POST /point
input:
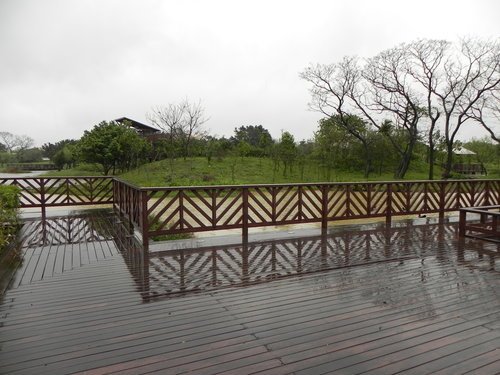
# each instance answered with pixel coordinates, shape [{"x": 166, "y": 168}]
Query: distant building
[
  {"x": 143, "y": 130},
  {"x": 465, "y": 164}
]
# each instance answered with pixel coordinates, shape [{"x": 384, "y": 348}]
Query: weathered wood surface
[{"x": 422, "y": 302}]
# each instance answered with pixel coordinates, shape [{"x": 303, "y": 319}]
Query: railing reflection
[
  {"x": 187, "y": 270},
  {"x": 160, "y": 273},
  {"x": 69, "y": 229}
]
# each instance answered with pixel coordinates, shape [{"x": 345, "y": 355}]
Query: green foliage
[
  {"x": 257, "y": 138},
  {"x": 287, "y": 151},
  {"x": 6, "y": 157},
  {"x": 167, "y": 237},
  {"x": 65, "y": 157},
  {"x": 30, "y": 155},
  {"x": 51, "y": 149},
  {"x": 113, "y": 146},
  {"x": 487, "y": 151},
  {"x": 9, "y": 204}
]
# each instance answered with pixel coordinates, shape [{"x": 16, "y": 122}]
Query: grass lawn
[{"x": 229, "y": 171}]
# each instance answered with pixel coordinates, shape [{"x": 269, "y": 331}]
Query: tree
[
  {"x": 14, "y": 142},
  {"x": 65, "y": 157},
  {"x": 8, "y": 141},
  {"x": 469, "y": 77},
  {"x": 256, "y": 136},
  {"x": 50, "y": 149},
  {"x": 487, "y": 151},
  {"x": 181, "y": 123},
  {"x": 393, "y": 96},
  {"x": 287, "y": 150},
  {"x": 113, "y": 146},
  {"x": 460, "y": 85},
  {"x": 29, "y": 155},
  {"x": 333, "y": 144},
  {"x": 426, "y": 57},
  {"x": 421, "y": 80},
  {"x": 192, "y": 125},
  {"x": 337, "y": 90}
]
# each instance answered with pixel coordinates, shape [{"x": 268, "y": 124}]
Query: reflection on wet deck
[
  {"x": 364, "y": 299},
  {"x": 185, "y": 269}
]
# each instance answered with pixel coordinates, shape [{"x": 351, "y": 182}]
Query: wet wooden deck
[{"x": 412, "y": 299}]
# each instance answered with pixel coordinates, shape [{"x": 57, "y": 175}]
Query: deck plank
[{"x": 402, "y": 304}]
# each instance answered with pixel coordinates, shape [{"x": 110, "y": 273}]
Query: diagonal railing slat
[{"x": 169, "y": 210}]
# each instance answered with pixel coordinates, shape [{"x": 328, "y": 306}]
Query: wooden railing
[
  {"x": 33, "y": 166},
  {"x": 158, "y": 211},
  {"x": 46, "y": 192},
  {"x": 208, "y": 208}
]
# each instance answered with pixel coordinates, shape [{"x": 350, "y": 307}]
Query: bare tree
[
  {"x": 169, "y": 119},
  {"x": 16, "y": 142},
  {"x": 469, "y": 78},
  {"x": 380, "y": 88},
  {"x": 191, "y": 126},
  {"x": 8, "y": 140},
  {"x": 24, "y": 142},
  {"x": 424, "y": 66},
  {"x": 486, "y": 108},
  {"x": 393, "y": 96},
  {"x": 181, "y": 122},
  {"x": 336, "y": 90}
]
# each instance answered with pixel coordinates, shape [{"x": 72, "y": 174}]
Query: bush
[{"x": 9, "y": 205}]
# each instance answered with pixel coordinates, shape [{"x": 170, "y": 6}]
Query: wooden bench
[{"x": 487, "y": 227}]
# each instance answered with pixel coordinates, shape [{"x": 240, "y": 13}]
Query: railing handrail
[
  {"x": 297, "y": 184},
  {"x": 233, "y": 186},
  {"x": 55, "y": 177}
]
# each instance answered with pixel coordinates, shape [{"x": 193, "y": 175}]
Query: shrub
[
  {"x": 9, "y": 204},
  {"x": 168, "y": 237}
]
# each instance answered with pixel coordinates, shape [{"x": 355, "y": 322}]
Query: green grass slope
[{"x": 229, "y": 171}]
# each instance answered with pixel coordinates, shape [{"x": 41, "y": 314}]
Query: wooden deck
[{"x": 412, "y": 299}]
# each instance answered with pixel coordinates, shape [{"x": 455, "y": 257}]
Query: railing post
[
  {"x": 299, "y": 203},
  {"x": 144, "y": 219},
  {"x": 388, "y": 213},
  {"x": 324, "y": 209},
  {"x": 486, "y": 193},
  {"x": 244, "y": 229},
  {"x": 442, "y": 200},
  {"x": 181, "y": 209},
  {"x": 42, "y": 199},
  {"x": 461, "y": 226}
]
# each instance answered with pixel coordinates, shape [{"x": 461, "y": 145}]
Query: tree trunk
[
  {"x": 404, "y": 163},
  {"x": 403, "y": 166},
  {"x": 449, "y": 160},
  {"x": 367, "y": 160},
  {"x": 431, "y": 160}
]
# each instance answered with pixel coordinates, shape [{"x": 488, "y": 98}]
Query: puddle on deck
[{"x": 63, "y": 244}]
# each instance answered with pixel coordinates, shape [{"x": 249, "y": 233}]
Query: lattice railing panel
[
  {"x": 228, "y": 208},
  {"x": 432, "y": 197},
  {"x": 337, "y": 202},
  {"x": 466, "y": 194},
  {"x": 358, "y": 198},
  {"x": 493, "y": 193},
  {"x": 164, "y": 210},
  {"x": 197, "y": 209},
  {"x": 261, "y": 205},
  {"x": 378, "y": 199},
  {"x": 29, "y": 190},
  {"x": 287, "y": 204},
  {"x": 311, "y": 203},
  {"x": 451, "y": 194}
]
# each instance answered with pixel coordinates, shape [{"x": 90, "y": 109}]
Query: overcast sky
[{"x": 67, "y": 65}]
